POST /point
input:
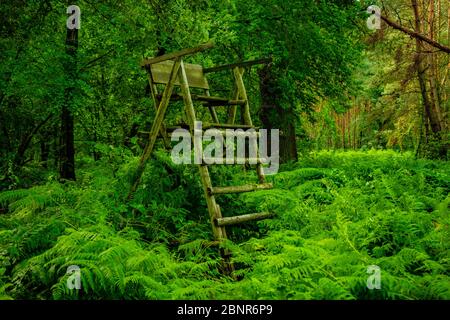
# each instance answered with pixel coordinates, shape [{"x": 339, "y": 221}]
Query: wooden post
[
  {"x": 213, "y": 208},
  {"x": 240, "y": 189},
  {"x": 238, "y": 72},
  {"x": 177, "y": 55},
  {"x": 242, "y": 93},
  {"x": 229, "y": 221},
  {"x": 160, "y": 113},
  {"x": 232, "y": 111},
  {"x": 238, "y": 65},
  {"x": 156, "y": 102},
  {"x": 212, "y": 111}
]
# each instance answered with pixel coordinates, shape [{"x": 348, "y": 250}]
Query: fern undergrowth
[{"x": 337, "y": 213}]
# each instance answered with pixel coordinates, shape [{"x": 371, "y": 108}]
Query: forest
[{"x": 94, "y": 207}]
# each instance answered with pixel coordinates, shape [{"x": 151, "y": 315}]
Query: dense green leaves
[{"x": 337, "y": 214}]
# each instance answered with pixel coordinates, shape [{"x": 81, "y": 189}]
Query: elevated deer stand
[{"x": 169, "y": 70}]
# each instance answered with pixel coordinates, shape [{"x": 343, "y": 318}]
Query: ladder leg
[
  {"x": 212, "y": 111},
  {"x": 160, "y": 113},
  {"x": 238, "y": 72},
  {"x": 156, "y": 102},
  {"x": 213, "y": 207},
  {"x": 232, "y": 111}
]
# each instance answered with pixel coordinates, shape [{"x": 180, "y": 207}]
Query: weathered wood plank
[
  {"x": 156, "y": 101},
  {"x": 160, "y": 113},
  {"x": 234, "y": 161},
  {"x": 220, "y": 102},
  {"x": 211, "y": 100},
  {"x": 233, "y": 110},
  {"x": 238, "y": 73},
  {"x": 243, "y": 94},
  {"x": 207, "y": 125},
  {"x": 178, "y": 54},
  {"x": 238, "y": 64},
  {"x": 213, "y": 207},
  {"x": 228, "y": 221},
  {"x": 240, "y": 189},
  {"x": 212, "y": 111},
  {"x": 194, "y": 72}
]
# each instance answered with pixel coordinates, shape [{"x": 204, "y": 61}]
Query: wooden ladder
[{"x": 171, "y": 71}]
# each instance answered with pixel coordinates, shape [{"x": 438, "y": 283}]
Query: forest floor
[{"x": 337, "y": 214}]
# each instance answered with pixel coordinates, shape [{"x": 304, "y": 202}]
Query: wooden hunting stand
[{"x": 170, "y": 71}]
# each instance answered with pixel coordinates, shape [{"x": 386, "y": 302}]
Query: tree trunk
[
  {"x": 433, "y": 69},
  {"x": 274, "y": 116},
  {"x": 434, "y": 148},
  {"x": 421, "y": 69},
  {"x": 67, "y": 147}
]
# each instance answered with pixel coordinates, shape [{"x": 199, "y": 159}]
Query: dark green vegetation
[
  {"x": 338, "y": 213},
  {"x": 343, "y": 96}
]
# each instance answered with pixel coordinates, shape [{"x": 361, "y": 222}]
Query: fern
[{"x": 336, "y": 214}]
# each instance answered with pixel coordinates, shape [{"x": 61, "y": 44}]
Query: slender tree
[{"x": 67, "y": 147}]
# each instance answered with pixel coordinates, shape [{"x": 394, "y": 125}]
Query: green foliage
[
  {"x": 113, "y": 265},
  {"x": 337, "y": 214}
]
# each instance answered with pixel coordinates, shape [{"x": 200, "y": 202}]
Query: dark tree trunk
[
  {"x": 440, "y": 149},
  {"x": 55, "y": 145},
  {"x": 67, "y": 147},
  {"x": 274, "y": 116}
]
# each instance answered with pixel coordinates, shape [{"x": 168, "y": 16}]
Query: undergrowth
[{"x": 337, "y": 213}]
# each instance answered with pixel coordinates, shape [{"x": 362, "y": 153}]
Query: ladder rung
[
  {"x": 234, "y": 161},
  {"x": 223, "y": 126},
  {"x": 245, "y": 135},
  {"x": 222, "y": 103},
  {"x": 240, "y": 189},
  {"x": 235, "y": 134},
  {"x": 143, "y": 134},
  {"x": 228, "y": 221},
  {"x": 226, "y": 126},
  {"x": 209, "y": 100}
]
